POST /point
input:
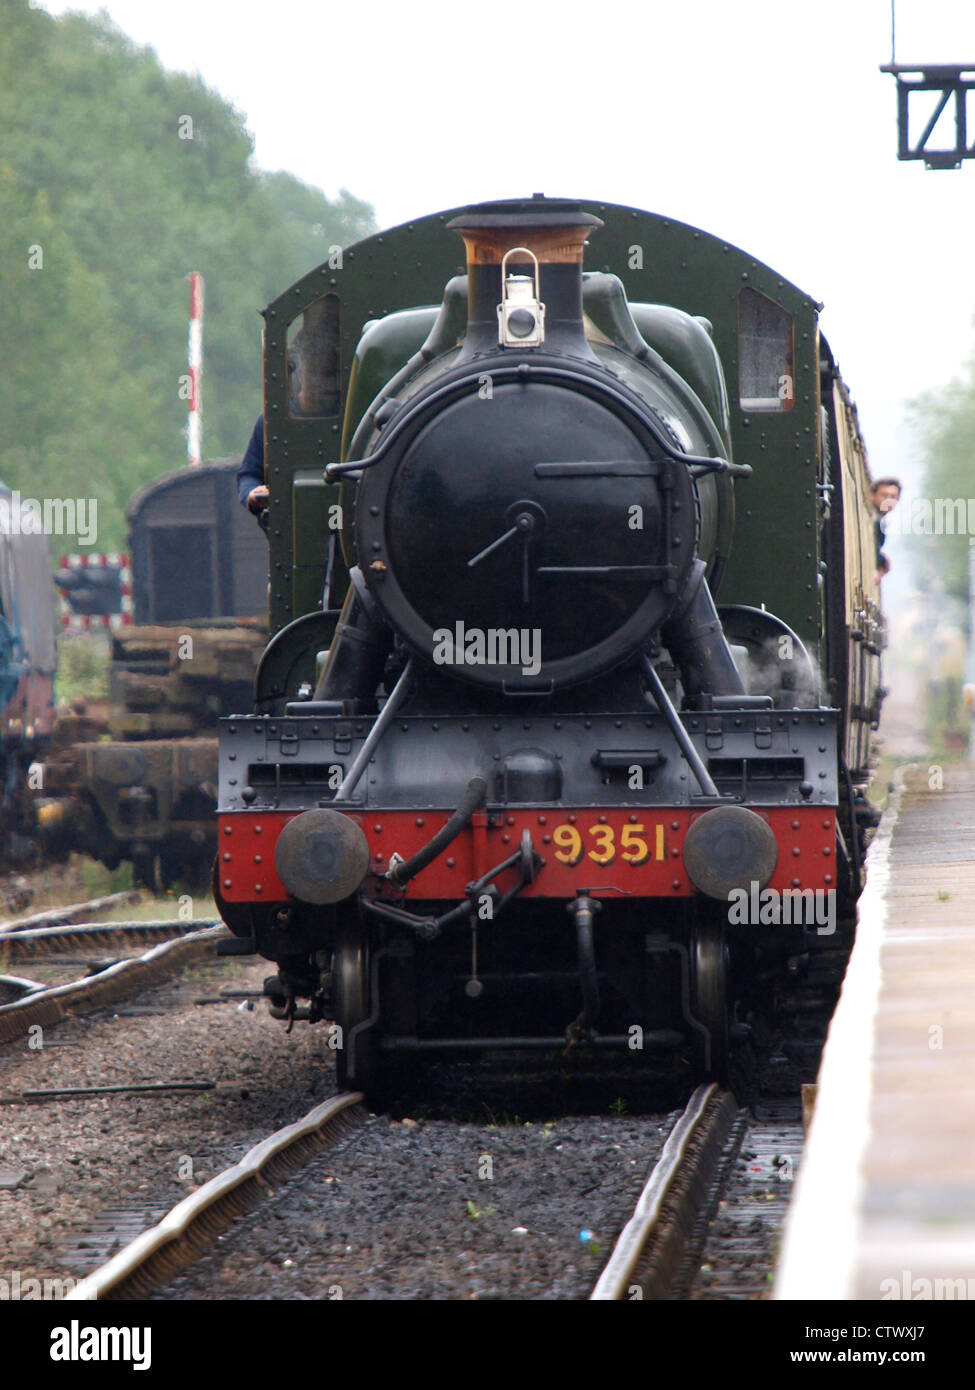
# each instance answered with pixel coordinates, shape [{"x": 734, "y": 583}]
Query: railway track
[
  {"x": 706, "y": 1226},
  {"x": 70, "y": 913},
  {"x": 735, "y": 1243},
  {"x": 44, "y": 941},
  {"x": 54, "y": 933},
  {"x": 138, "y": 1095},
  {"x": 158, "y": 1254},
  {"x": 708, "y": 1221},
  {"x": 653, "y": 1244},
  {"x": 698, "y": 1207},
  {"x": 385, "y": 1216},
  {"x": 45, "y": 1007}
]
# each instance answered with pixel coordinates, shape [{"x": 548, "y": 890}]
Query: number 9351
[{"x": 602, "y": 843}]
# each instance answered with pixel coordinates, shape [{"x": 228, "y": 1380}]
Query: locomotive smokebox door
[{"x": 523, "y": 491}]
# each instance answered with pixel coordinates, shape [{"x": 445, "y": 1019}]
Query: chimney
[{"x": 536, "y": 238}]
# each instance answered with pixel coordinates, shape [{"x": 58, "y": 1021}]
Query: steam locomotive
[{"x": 512, "y": 762}]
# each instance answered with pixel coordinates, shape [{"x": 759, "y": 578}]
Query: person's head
[{"x": 886, "y": 493}]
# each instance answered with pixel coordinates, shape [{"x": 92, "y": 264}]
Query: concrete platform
[{"x": 885, "y": 1202}]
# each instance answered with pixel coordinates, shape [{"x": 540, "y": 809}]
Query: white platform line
[{"x": 822, "y": 1229}]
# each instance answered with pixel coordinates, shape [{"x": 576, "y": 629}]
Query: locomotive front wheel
[
  {"x": 709, "y": 1003},
  {"x": 356, "y": 1055}
]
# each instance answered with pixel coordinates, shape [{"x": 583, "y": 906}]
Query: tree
[
  {"x": 129, "y": 177},
  {"x": 945, "y": 421}
]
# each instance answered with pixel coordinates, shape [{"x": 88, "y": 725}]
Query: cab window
[
  {"x": 765, "y": 353},
  {"x": 314, "y": 369}
]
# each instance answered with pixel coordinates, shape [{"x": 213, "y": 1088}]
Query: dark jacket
[{"x": 250, "y": 474}]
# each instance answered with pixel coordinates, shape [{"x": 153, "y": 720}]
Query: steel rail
[
  {"x": 57, "y": 915},
  {"x": 647, "y": 1254},
  {"x": 183, "y": 1234},
  {"x": 47, "y": 940},
  {"x": 50, "y": 1006}
]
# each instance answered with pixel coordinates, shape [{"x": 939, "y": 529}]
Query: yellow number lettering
[
  {"x": 606, "y": 844},
  {"x": 634, "y": 848},
  {"x": 569, "y": 843},
  {"x": 660, "y": 843}
]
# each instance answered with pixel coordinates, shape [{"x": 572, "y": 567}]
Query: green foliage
[
  {"x": 946, "y": 718},
  {"x": 100, "y": 882},
  {"x": 475, "y": 1212},
  {"x": 127, "y": 178},
  {"x": 82, "y": 668},
  {"x": 945, "y": 422}
]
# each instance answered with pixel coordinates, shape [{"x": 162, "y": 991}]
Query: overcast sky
[{"x": 765, "y": 122}]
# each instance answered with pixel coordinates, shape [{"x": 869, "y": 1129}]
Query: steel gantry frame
[{"x": 950, "y": 80}]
